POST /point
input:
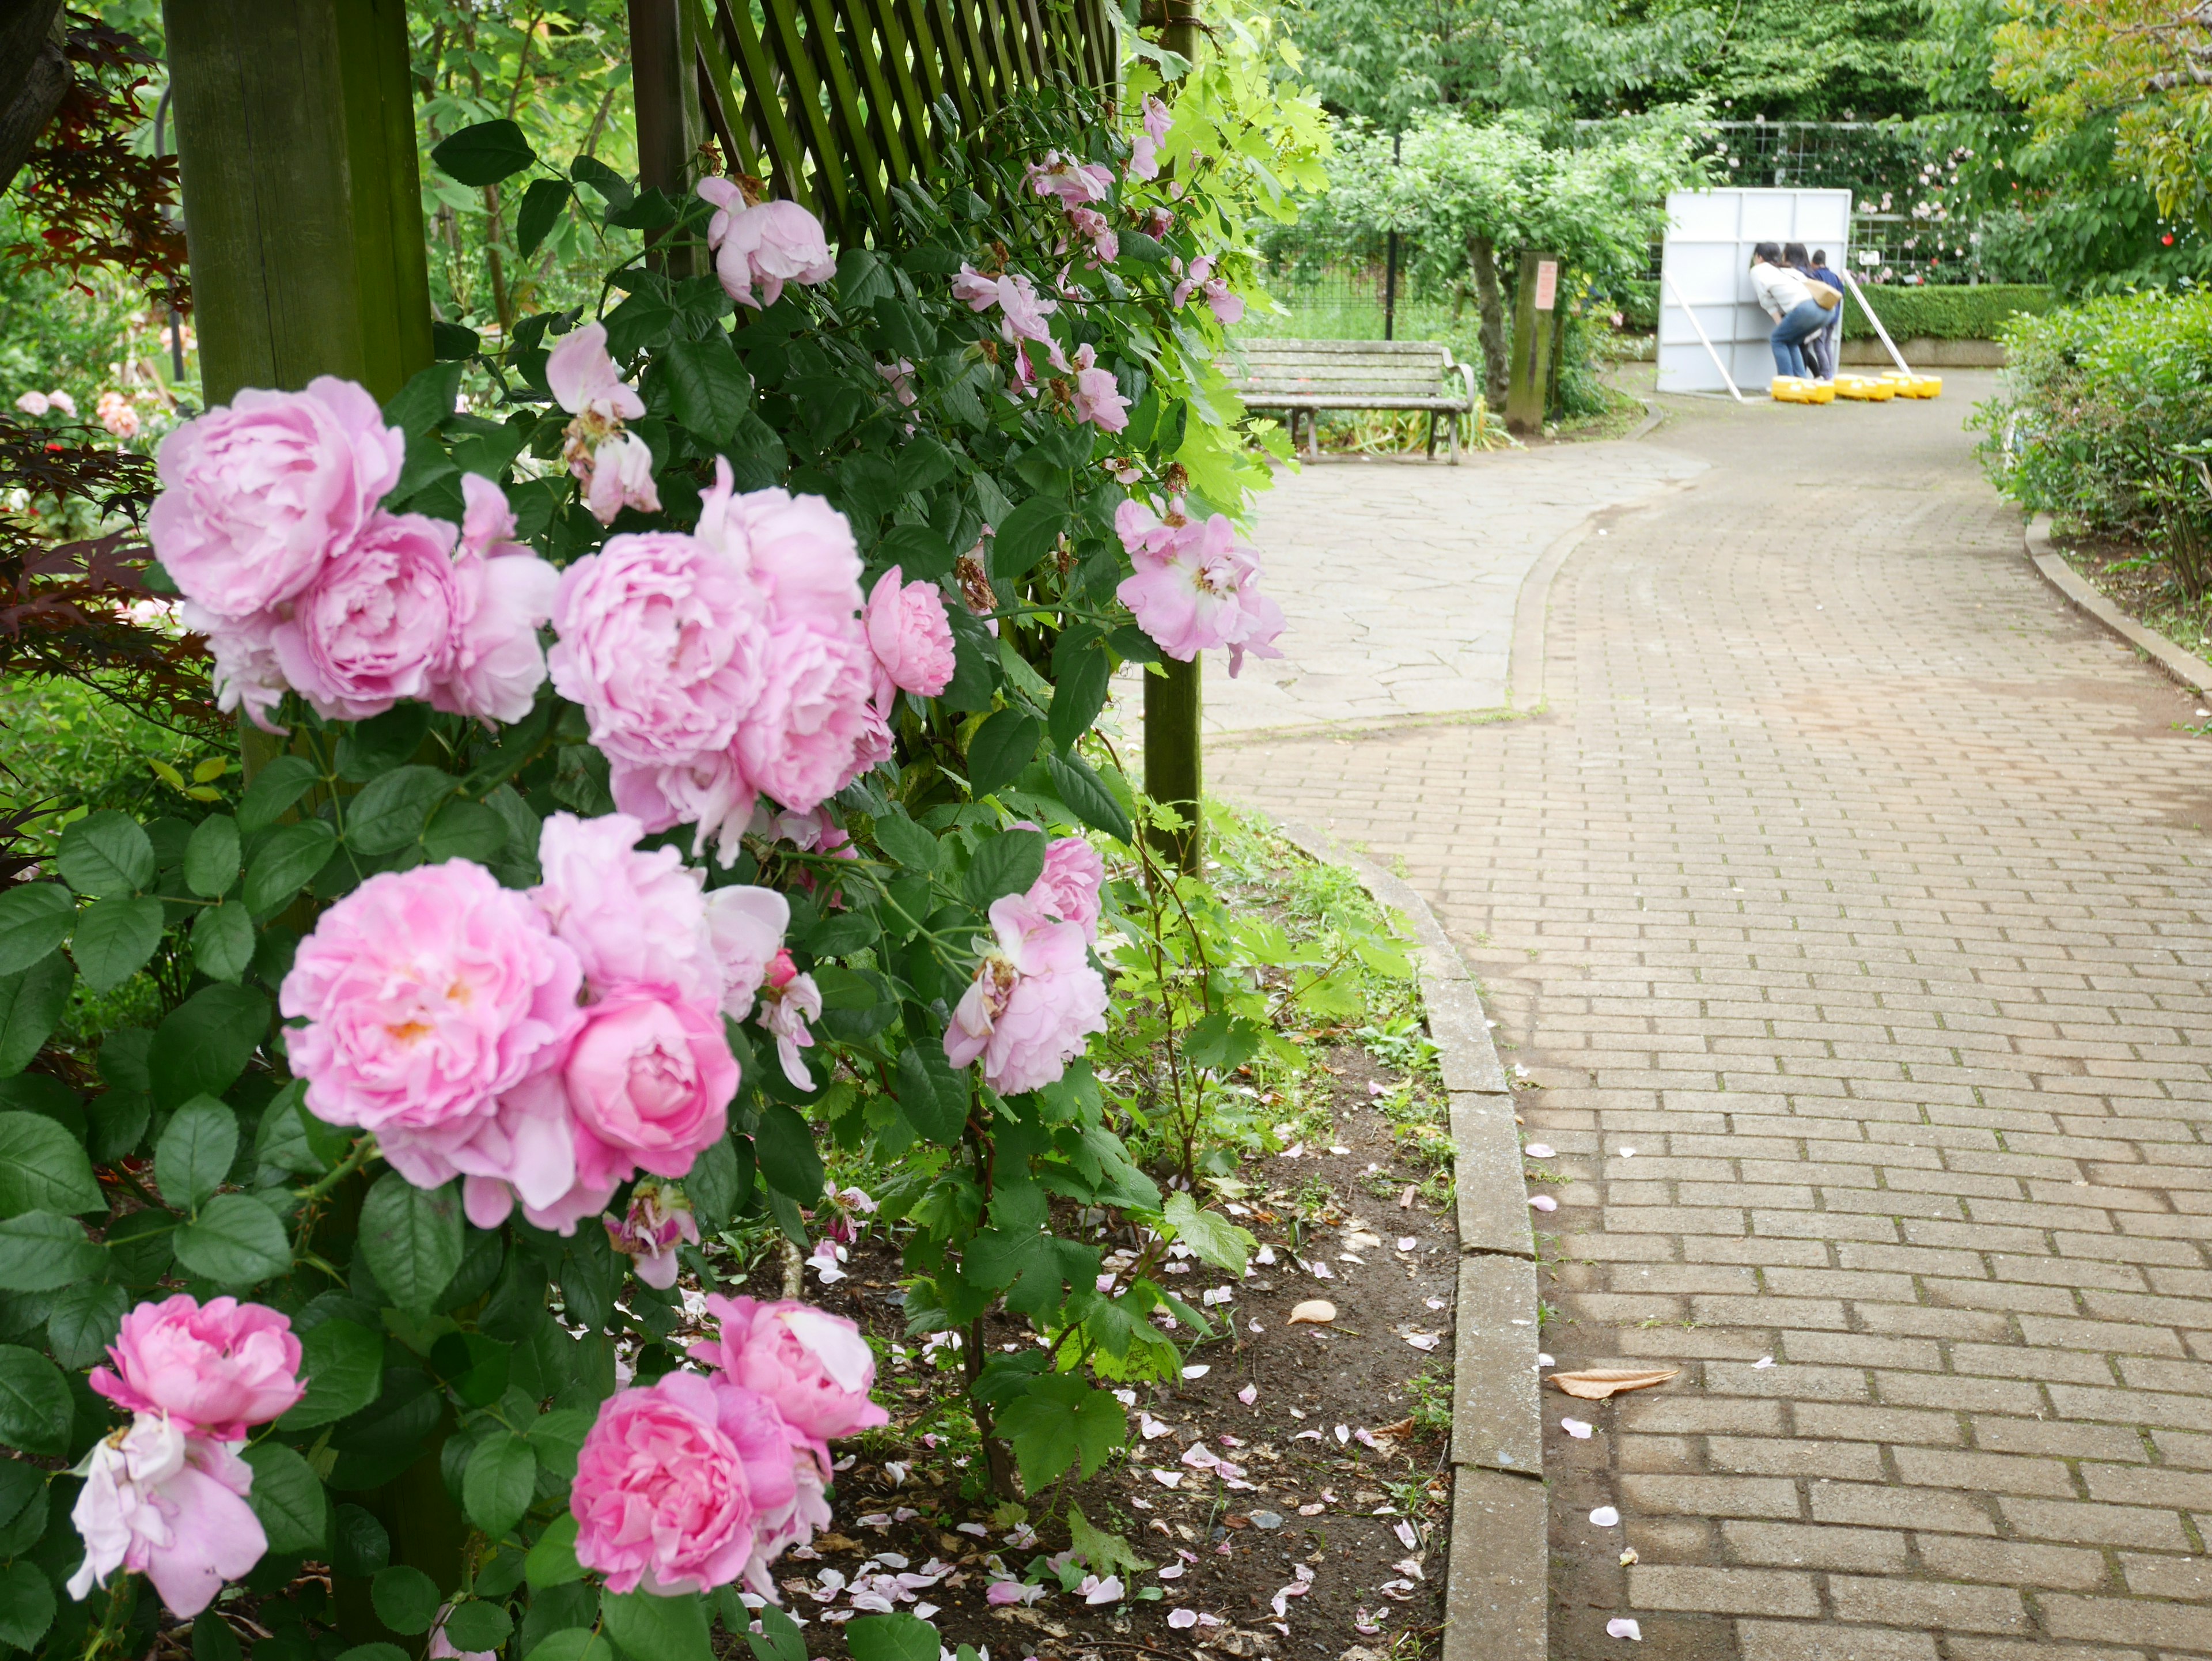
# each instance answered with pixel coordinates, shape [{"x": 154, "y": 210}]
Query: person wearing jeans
[
  {"x": 1783, "y": 296},
  {"x": 1831, "y": 336}
]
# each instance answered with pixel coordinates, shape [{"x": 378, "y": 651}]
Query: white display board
[{"x": 1707, "y": 267}]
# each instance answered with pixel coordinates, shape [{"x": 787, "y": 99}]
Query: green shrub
[
  {"x": 2094, "y": 405},
  {"x": 1945, "y": 312}
]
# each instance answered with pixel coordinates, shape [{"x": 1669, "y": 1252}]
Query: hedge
[{"x": 1950, "y": 312}]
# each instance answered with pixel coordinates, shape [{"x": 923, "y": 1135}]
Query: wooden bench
[{"x": 1308, "y": 376}]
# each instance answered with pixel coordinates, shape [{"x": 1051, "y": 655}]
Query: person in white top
[{"x": 1784, "y": 296}]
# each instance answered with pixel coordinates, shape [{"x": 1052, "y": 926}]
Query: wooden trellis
[{"x": 834, "y": 101}]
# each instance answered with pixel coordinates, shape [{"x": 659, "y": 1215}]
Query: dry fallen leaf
[
  {"x": 1406, "y": 1200},
  {"x": 1401, "y": 1428},
  {"x": 1596, "y": 1384},
  {"x": 1314, "y": 1311}
]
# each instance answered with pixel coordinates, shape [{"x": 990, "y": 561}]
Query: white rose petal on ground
[
  {"x": 1604, "y": 1517},
  {"x": 1183, "y": 1620},
  {"x": 1620, "y": 1627},
  {"x": 1543, "y": 1202},
  {"x": 1576, "y": 1428},
  {"x": 1539, "y": 1151}
]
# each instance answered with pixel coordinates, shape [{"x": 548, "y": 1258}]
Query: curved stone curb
[
  {"x": 2192, "y": 672},
  {"x": 1496, "y": 1590}
]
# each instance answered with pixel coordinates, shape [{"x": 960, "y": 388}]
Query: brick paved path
[{"x": 1850, "y": 907}]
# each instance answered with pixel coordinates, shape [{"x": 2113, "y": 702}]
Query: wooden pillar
[
  {"x": 670, "y": 120},
  {"x": 303, "y": 207},
  {"x": 1535, "y": 311}
]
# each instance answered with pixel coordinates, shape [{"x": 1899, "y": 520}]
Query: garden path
[{"x": 1848, "y": 908}]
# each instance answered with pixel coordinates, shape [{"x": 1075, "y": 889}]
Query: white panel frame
[{"x": 1707, "y": 264}]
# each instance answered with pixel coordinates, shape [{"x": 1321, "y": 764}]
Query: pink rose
[
  {"x": 256, "y": 497},
  {"x": 766, "y": 243},
  {"x": 799, "y": 550},
  {"x": 1092, "y": 226},
  {"x": 583, "y": 378},
  {"x": 662, "y": 1497},
  {"x": 525, "y": 1147},
  {"x": 214, "y": 1371},
  {"x": 1098, "y": 395},
  {"x": 615, "y": 467},
  {"x": 746, "y": 926},
  {"x": 661, "y": 641},
  {"x": 911, "y": 637},
  {"x": 1069, "y": 890},
  {"x": 631, "y": 918},
  {"x": 1034, "y": 999},
  {"x": 1022, "y": 310},
  {"x": 376, "y": 625},
  {"x": 1145, "y": 148},
  {"x": 788, "y": 999},
  {"x": 1075, "y": 183},
  {"x": 170, "y": 1506},
  {"x": 247, "y": 675},
  {"x": 708, "y": 790},
  {"x": 815, "y": 1366},
  {"x": 659, "y": 1220},
  {"x": 502, "y": 592},
  {"x": 650, "y": 1081},
  {"x": 426, "y": 994},
  {"x": 800, "y": 742},
  {"x": 1196, "y": 589}
]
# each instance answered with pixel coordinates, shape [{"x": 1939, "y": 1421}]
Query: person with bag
[
  {"x": 1827, "y": 295},
  {"x": 1784, "y": 296},
  {"x": 1832, "y": 336}
]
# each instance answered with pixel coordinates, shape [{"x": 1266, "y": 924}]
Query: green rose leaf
[
  {"x": 477, "y": 1625},
  {"x": 41, "y": 1252},
  {"x": 500, "y": 1480},
  {"x": 114, "y": 940},
  {"x": 84, "y": 1320},
  {"x": 1078, "y": 697},
  {"x": 31, "y": 1004},
  {"x": 653, "y": 1629},
  {"x": 708, "y": 388},
  {"x": 785, "y": 1147},
  {"x": 1087, "y": 796},
  {"x": 44, "y": 1168},
  {"x": 1027, "y": 535},
  {"x": 484, "y": 154},
  {"x": 286, "y": 863},
  {"x": 35, "y": 1415},
  {"x": 222, "y": 941},
  {"x": 204, "y": 1042},
  {"x": 343, "y": 1363},
  {"x": 934, "y": 1097},
  {"x": 413, "y": 1239},
  {"x": 406, "y": 1599},
  {"x": 393, "y": 807},
  {"x": 106, "y": 855},
  {"x": 281, "y": 782},
  {"x": 540, "y": 212},
  {"x": 26, "y": 1604},
  {"x": 287, "y": 1498},
  {"x": 899, "y": 1637},
  {"x": 1008, "y": 863},
  {"x": 211, "y": 857},
  {"x": 195, "y": 1153},
  {"x": 1002, "y": 746},
  {"x": 212, "y": 1638},
  {"x": 906, "y": 841},
  {"x": 552, "y": 1560},
  {"x": 237, "y": 1241},
  {"x": 35, "y": 917},
  {"x": 22, "y": 1507}
]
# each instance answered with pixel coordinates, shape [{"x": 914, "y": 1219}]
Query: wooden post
[
  {"x": 303, "y": 207},
  {"x": 1174, "y": 770},
  {"x": 1535, "y": 305},
  {"x": 670, "y": 120}
]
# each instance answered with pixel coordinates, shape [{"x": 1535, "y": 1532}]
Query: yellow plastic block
[
  {"x": 1915, "y": 386},
  {"x": 1799, "y": 389},
  {"x": 1865, "y": 388}
]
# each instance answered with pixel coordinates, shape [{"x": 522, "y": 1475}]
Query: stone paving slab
[{"x": 1851, "y": 910}]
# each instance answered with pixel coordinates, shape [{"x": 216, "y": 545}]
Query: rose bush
[{"x": 683, "y": 753}]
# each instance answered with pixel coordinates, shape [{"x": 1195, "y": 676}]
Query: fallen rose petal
[
  {"x": 1315, "y": 1312},
  {"x": 1576, "y": 1428},
  {"x": 1197, "y": 1372},
  {"x": 1152, "y": 1427},
  {"x": 1249, "y": 1395},
  {"x": 1620, "y": 1627},
  {"x": 1408, "y": 1242},
  {"x": 1423, "y": 1340},
  {"x": 1312, "y": 1510},
  {"x": 1168, "y": 1478},
  {"x": 1343, "y": 1435},
  {"x": 1322, "y": 1271},
  {"x": 1171, "y": 1572},
  {"x": 1544, "y": 1360},
  {"x": 1407, "y": 1537},
  {"x": 1763, "y": 1361},
  {"x": 1303, "y": 1435},
  {"x": 1539, "y": 1151},
  {"x": 1596, "y": 1384},
  {"x": 1182, "y": 1620},
  {"x": 1604, "y": 1517},
  {"x": 1543, "y": 1202},
  {"x": 1434, "y": 1302},
  {"x": 1256, "y": 1327}
]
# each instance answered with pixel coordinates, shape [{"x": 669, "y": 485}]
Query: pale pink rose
[
  {"x": 661, "y": 642},
  {"x": 524, "y": 1148},
  {"x": 585, "y": 380},
  {"x": 798, "y": 550},
  {"x": 61, "y": 401},
  {"x": 794, "y": 1523},
  {"x": 1074, "y": 182},
  {"x": 788, "y": 999},
  {"x": 1069, "y": 890},
  {"x": 900, "y": 378},
  {"x": 659, "y": 1220},
  {"x": 247, "y": 675},
  {"x": 708, "y": 790},
  {"x": 800, "y": 741},
  {"x": 876, "y": 745},
  {"x": 631, "y": 918},
  {"x": 1098, "y": 395},
  {"x": 1145, "y": 148},
  {"x": 1158, "y": 119},
  {"x": 764, "y": 245},
  {"x": 1022, "y": 309},
  {"x": 376, "y": 625},
  {"x": 746, "y": 926},
  {"x": 650, "y": 1079},
  {"x": 167, "y": 1506},
  {"x": 1199, "y": 592},
  {"x": 661, "y": 1496},
  {"x": 1034, "y": 999},
  {"x": 815, "y": 1366},
  {"x": 1227, "y": 308},
  {"x": 1144, "y": 532},
  {"x": 1092, "y": 226},
  {"x": 426, "y": 994},
  {"x": 1160, "y": 221},
  {"x": 257, "y": 496},
  {"x": 215, "y": 1370},
  {"x": 118, "y": 414},
  {"x": 911, "y": 637},
  {"x": 502, "y": 592},
  {"x": 34, "y": 403},
  {"x": 619, "y": 476}
]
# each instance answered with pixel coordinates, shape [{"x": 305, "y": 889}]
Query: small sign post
[{"x": 1535, "y": 315}]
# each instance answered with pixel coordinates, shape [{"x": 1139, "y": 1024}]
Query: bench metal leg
[
  {"x": 1431, "y": 454},
  {"x": 1451, "y": 454}
]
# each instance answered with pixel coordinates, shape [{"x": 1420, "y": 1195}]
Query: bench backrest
[{"x": 1386, "y": 368}]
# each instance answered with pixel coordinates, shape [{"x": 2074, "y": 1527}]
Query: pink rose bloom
[
  {"x": 661, "y": 641},
  {"x": 815, "y": 1366},
  {"x": 376, "y": 625},
  {"x": 214, "y": 1371},
  {"x": 247, "y": 675},
  {"x": 1227, "y": 308},
  {"x": 794, "y": 1523},
  {"x": 1092, "y": 226},
  {"x": 900, "y": 378},
  {"x": 502, "y": 592},
  {"x": 426, "y": 994},
  {"x": 1145, "y": 148},
  {"x": 661, "y": 1496},
  {"x": 708, "y": 790},
  {"x": 256, "y": 497},
  {"x": 659, "y": 1220},
  {"x": 1022, "y": 311},
  {"x": 911, "y": 637},
  {"x": 1073, "y": 873},
  {"x": 650, "y": 1081},
  {"x": 1160, "y": 221},
  {"x": 169, "y": 1507},
  {"x": 1201, "y": 592},
  {"x": 615, "y": 467},
  {"x": 524, "y": 1148},
  {"x": 631, "y": 918},
  {"x": 800, "y": 739},
  {"x": 1144, "y": 532},
  {"x": 1034, "y": 999},
  {"x": 1075, "y": 183},
  {"x": 788, "y": 999},
  {"x": 1098, "y": 395},
  {"x": 746, "y": 926},
  {"x": 766, "y": 243},
  {"x": 583, "y": 378},
  {"x": 798, "y": 550}
]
